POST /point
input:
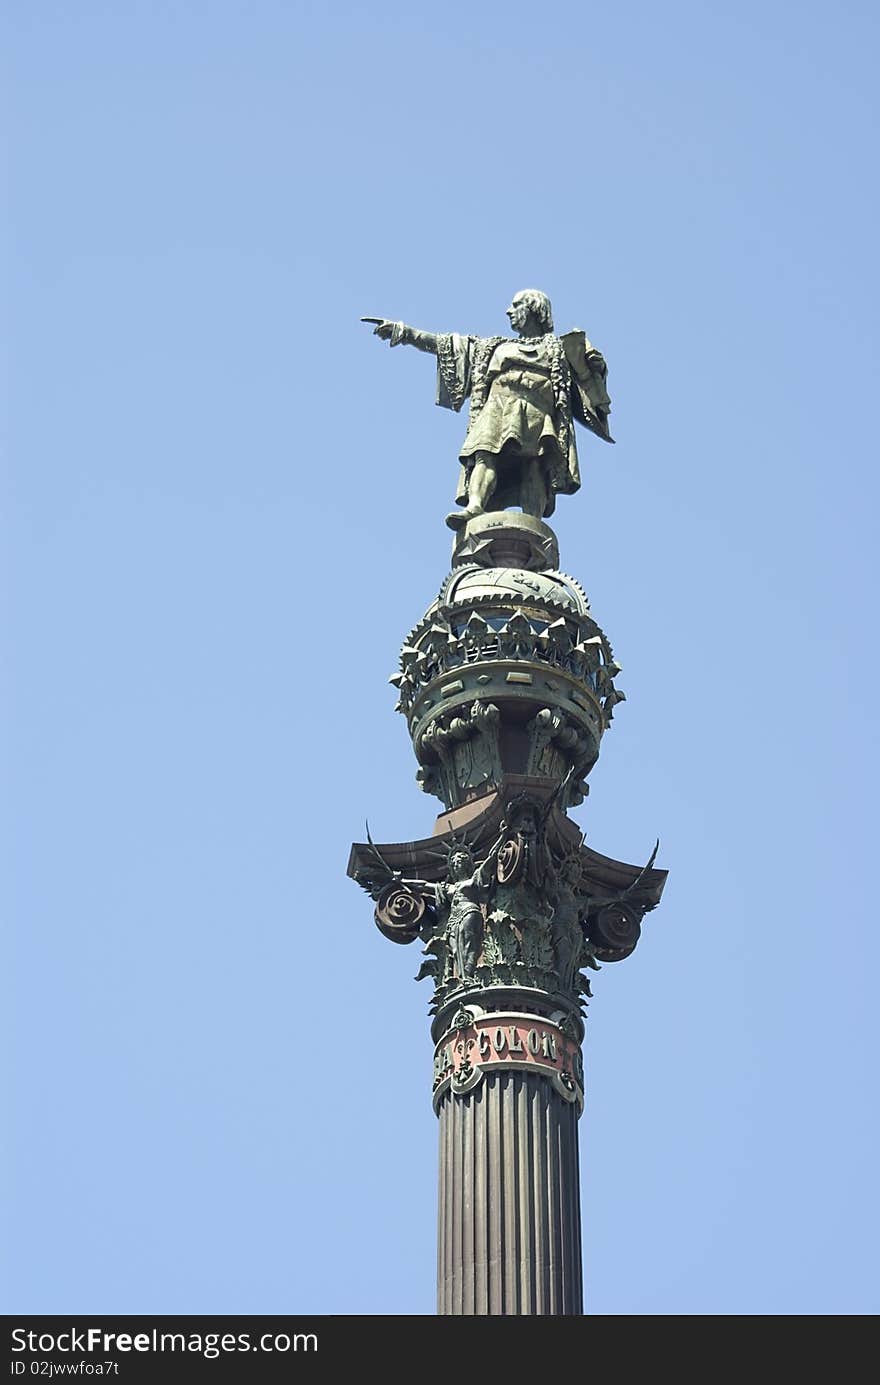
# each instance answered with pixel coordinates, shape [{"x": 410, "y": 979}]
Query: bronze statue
[
  {"x": 458, "y": 900},
  {"x": 468, "y": 885},
  {"x": 525, "y": 394},
  {"x": 569, "y": 909}
]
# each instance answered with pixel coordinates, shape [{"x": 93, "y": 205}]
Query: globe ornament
[{"x": 507, "y": 672}]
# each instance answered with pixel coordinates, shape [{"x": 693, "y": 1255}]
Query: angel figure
[
  {"x": 459, "y": 897},
  {"x": 463, "y": 894},
  {"x": 566, "y": 928},
  {"x": 571, "y": 910}
]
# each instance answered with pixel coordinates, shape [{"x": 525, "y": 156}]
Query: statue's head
[
  {"x": 461, "y": 863},
  {"x": 530, "y": 304}
]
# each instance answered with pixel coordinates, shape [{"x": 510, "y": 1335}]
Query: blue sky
[{"x": 223, "y": 510}]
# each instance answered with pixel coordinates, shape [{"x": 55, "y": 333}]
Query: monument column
[
  {"x": 507, "y": 686},
  {"x": 509, "y": 1235}
]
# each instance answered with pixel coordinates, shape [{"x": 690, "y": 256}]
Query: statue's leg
[
  {"x": 461, "y": 948},
  {"x": 533, "y": 488},
  {"x": 481, "y": 483},
  {"x": 483, "y": 480},
  {"x": 469, "y": 940}
]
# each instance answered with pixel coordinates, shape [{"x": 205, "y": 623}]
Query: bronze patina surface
[
  {"x": 525, "y": 394},
  {"x": 508, "y": 685}
]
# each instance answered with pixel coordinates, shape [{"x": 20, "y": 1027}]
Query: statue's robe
[{"x": 533, "y": 417}]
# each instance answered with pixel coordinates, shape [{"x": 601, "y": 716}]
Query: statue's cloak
[{"x": 590, "y": 404}]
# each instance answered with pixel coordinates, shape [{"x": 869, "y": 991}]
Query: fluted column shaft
[{"x": 509, "y": 1209}]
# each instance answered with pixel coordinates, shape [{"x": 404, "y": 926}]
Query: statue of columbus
[{"x": 525, "y": 392}]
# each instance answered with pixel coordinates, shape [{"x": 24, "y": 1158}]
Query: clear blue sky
[{"x": 224, "y": 509}]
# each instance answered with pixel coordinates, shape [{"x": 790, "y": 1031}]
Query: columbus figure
[{"x": 525, "y": 394}]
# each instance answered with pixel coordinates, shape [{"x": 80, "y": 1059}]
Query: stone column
[{"x": 509, "y": 1232}]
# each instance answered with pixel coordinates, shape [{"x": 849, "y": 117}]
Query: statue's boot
[{"x": 457, "y": 519}]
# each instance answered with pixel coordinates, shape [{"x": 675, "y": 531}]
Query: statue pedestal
[{"x": 505, "y": 538}]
